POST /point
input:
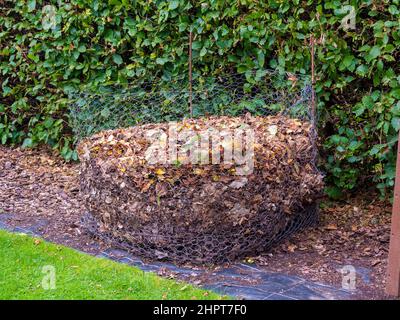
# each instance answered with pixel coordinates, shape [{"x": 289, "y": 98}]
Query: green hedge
[{"x": 93, "y": 42}]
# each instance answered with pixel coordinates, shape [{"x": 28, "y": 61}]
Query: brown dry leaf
[
  {"x": 331, "y": 227},
  {"x": 320, "y": 248},
  {"x": 161, "y": 189},
  {"x": 147, "y": 185},
  {"x": 376, "y": 262}
]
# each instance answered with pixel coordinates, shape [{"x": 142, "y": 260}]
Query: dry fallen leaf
[
  {"x": 331, "y": 227},
  {"x": 160, "y": 172}
]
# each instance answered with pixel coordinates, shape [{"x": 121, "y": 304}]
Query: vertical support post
[
  {"x": 313, "y": 99},
  {"x": 313, "y": 107},
  {"x": 190, "y": 75},
  {"x": 393, "y": 269}
]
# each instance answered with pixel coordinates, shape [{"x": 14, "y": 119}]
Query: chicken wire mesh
[
  {"x": 206, "y": 248},
  {"x": 167, "y": 232},
  {"x": 263, "y": 92}
]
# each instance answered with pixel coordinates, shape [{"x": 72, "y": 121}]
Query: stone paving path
[{"x": 240, "y": 280}]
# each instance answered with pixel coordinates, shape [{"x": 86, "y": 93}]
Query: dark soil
[{"x": 39, "y": 190}]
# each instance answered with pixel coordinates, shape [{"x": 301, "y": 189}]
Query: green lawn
[{"x": 26, "y": 264}]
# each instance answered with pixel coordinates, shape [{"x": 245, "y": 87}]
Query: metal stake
[
  {"x": 190, "y": 76},
  {"x": 313, "y": 107}
]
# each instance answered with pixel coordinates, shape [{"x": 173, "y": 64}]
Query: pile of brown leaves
[{"x": 182, "y": 210}]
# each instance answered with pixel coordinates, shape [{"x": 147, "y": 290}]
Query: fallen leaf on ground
[{"x": 331, "y": 227}]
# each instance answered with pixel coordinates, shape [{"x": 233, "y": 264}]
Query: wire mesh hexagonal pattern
[{"x": 169, "y": 227}]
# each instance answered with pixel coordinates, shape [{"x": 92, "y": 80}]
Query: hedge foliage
[{"x": 93, "y": 42}]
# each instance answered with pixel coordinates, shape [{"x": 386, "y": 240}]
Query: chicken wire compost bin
[{"x": 231, "y": 181}]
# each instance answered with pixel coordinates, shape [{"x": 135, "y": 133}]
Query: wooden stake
[
  {"x": 393, "y": 269},
  {"x": 190, "y": 76}
]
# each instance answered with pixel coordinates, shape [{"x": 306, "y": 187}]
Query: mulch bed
[
  {"x": 354, "y": 232},
  {"x": 37, "y": 186}
]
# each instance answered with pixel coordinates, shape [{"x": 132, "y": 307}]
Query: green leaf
[
  {"x": 48, "y": 122},
  {"x": 161, "y": 61},
  {"x": 374, "y": 53},
  {"x": 117, "y": 59},
  {"x": 395, "y": 93},
  {"x": 368, "y": 101},
  {"x": 31, "y": 5},
  {"x": 347, "y": 62},
  {"x": 261, "y": 58},
  {"x": 334, "y": 192},
  {"x": 362, "y": 70},
  {"x": 203, "y": 52},
  {"x": 396, "y": 123},
  {"x": 359, "y": 109},
  {"x": 376, "y": 149},
  {"x": 173, "y": 5}
]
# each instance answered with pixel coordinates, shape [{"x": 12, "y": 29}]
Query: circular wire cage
[{"x": 260, "y": 93}]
